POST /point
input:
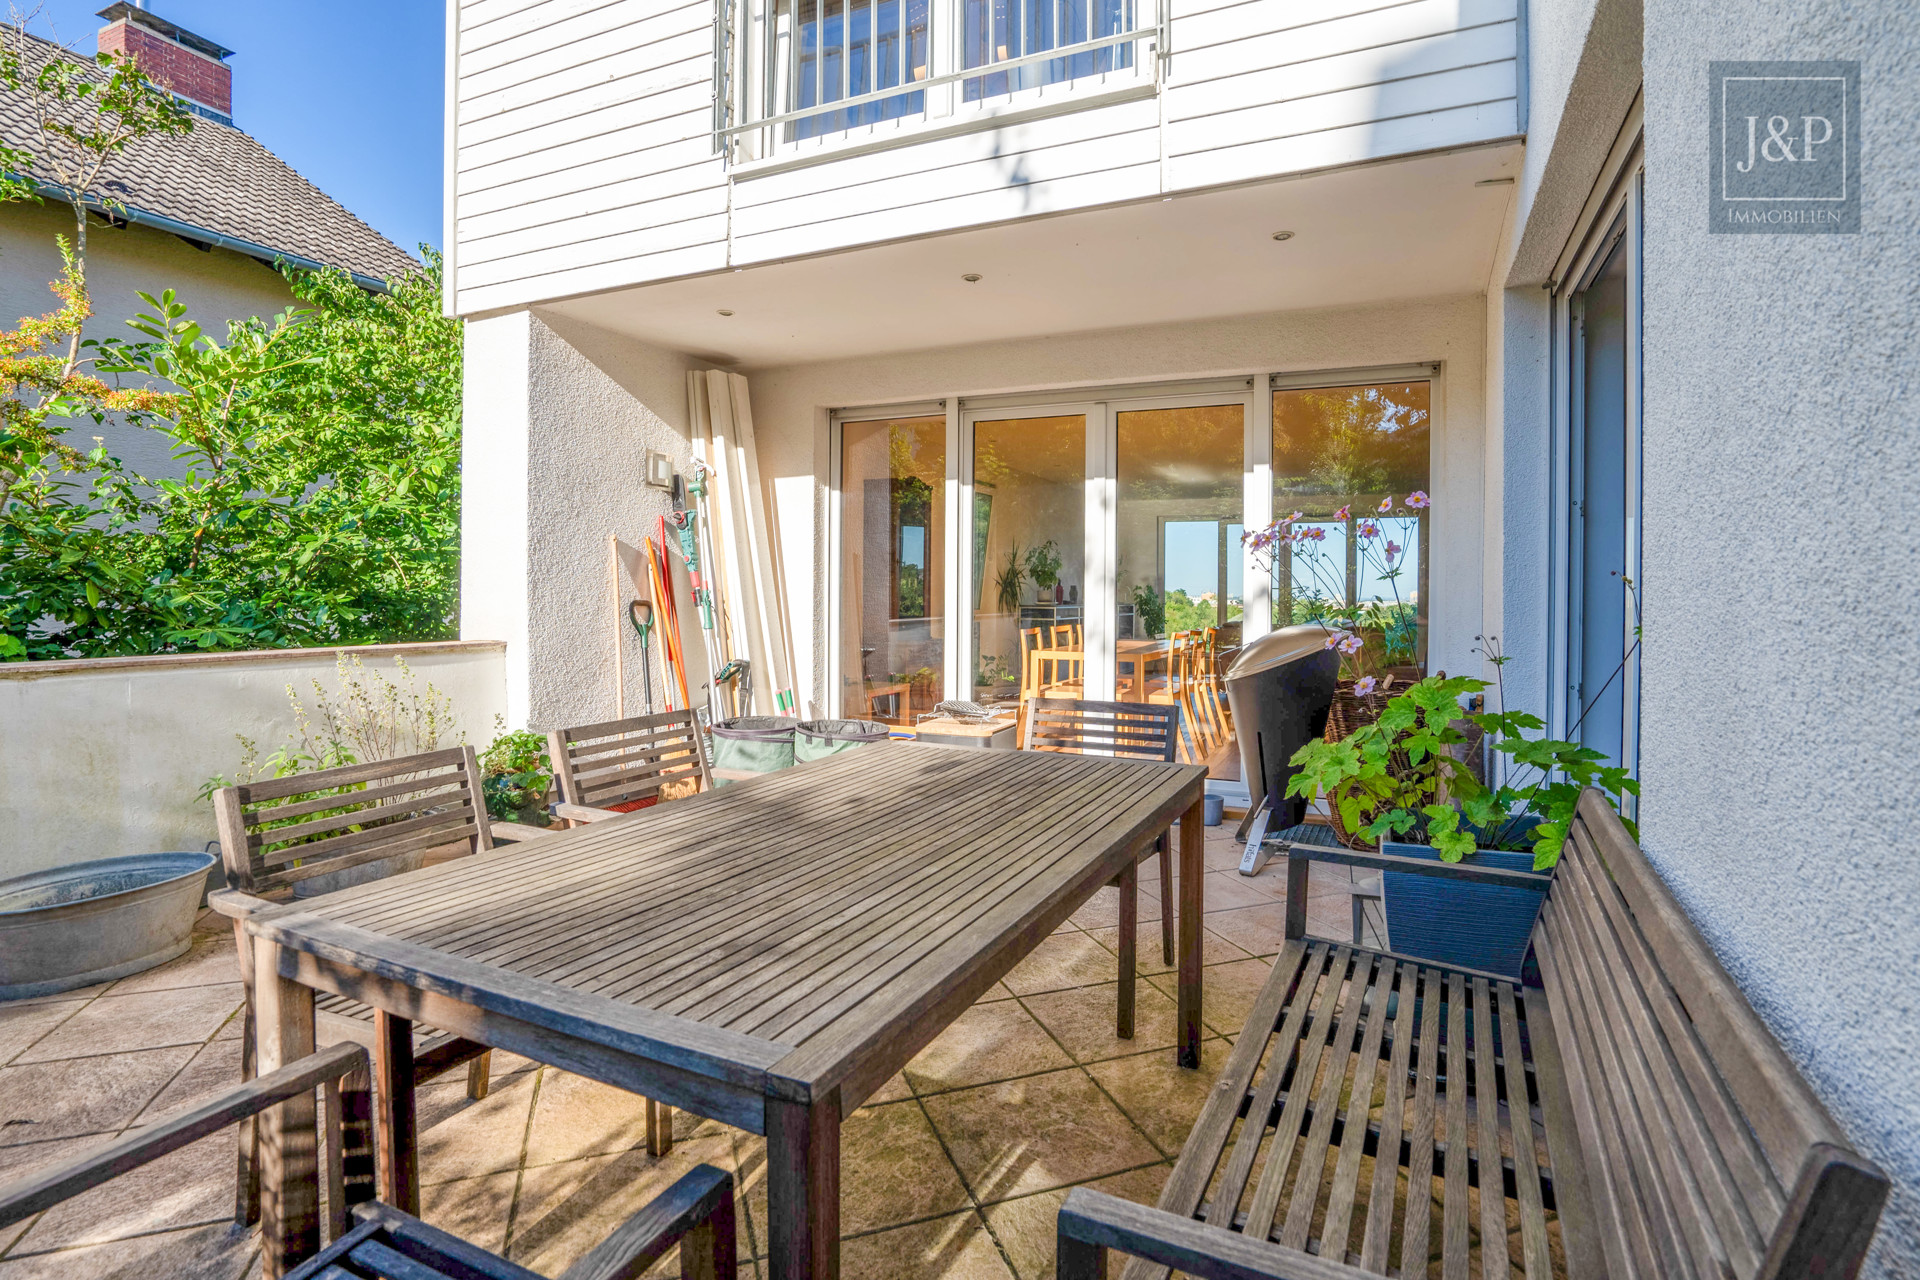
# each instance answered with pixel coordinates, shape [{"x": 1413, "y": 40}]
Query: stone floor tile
[
  {"x": 1021, "y": 1136},
  {"x": 23, "y": 1025},
  {"x": 18, "y": 1161},
  {"x": 461, "y": 1138},
  {"x": 1082, "y": 1020},
  {"x": 893, "y": 1090},
  {"x": 1259, "y": 931},
  {"x": 1028, "y": 1228},
  {"x": 62, "y": 997},
  {"x": 212, "y": 959},
  {"x": 219, "y": 1252},
  {"x": 987, "y": 1042},
  {"x": 1227, "y": 992},
  {"x": 1225, "y": 890},
  {"x": 147, "y": 1020},
  {"x": 957, "y": 1247},
  {"x": 998, "y": 991},
  {"x": 576, "y": 1117},
  {"x": 1159, "y": 1095},
  {"x": 1061, "y": 961},
  {"x": 1149, "y": 955},
  {"x": 1223, "y": 856},
  {"x": 1102, "y": 910},
  {"x": 563, "y": 1210},
  {"x": 892, "y": 1171},
  {"x": 186, "y": 1188},
  {"x": 475, "y": 1209},
  {"x": 213, "y": 1070},
  {"x": 82, "y": 1095}
]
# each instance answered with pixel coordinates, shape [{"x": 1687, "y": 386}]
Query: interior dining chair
[{"x": 1130, "y": 731}]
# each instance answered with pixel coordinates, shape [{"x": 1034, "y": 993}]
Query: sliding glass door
[
  {"x": 893, "y": 477},
  {"x": 1028, "y": 545}
]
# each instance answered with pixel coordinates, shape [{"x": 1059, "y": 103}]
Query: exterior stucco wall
[
  {"x": 1782, "y": 657},
  {"x": 558, "y": 418},
  {"x": 216, "y": 286},
  {"x": 101, "y": 757},
  {"x": 791, "y": 406}
]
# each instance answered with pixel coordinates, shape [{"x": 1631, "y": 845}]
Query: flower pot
[{"x": 1457, "y": 922}]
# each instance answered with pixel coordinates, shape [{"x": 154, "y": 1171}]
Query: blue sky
[{"x": 347, "y": 92}]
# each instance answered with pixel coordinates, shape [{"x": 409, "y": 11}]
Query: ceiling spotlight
[
  {"x": 1283, "y": 235},
  {"x": 972, "y": 277},
  {"x": 1494, "y": 182},
  {"x": 724, "y": 312}
]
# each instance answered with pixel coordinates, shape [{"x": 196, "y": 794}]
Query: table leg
[
  {"x": 1192, "y": 905},
  {"x": 1129, "y": 948},
  {"x": 395, "y": 1129},
  {"x": 289, "y": 1137},
  {"x": 803, "y": 1188}
]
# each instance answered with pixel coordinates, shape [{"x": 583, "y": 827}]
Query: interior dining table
[{"x": 1134, "y": 658}]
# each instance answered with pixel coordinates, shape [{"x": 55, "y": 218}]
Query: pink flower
[
  {"x": 1364, "y": 686},
  {"x": 1386, "y": 504},
  {"x": 1351, "y": 644},
  {"x": 1417, "y": 499},
  {"x": 1344, "y": 513},
  {"x": 1393, "y": 548},
  {"x": 1317, "y": 534},
  {"x": 1295, "y": 516},
  {"x": 1368, "y": 529}
]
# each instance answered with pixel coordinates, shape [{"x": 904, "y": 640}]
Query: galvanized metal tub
[{"x": 94, "y": 921}]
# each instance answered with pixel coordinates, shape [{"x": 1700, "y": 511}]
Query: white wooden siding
[{"x": 586, "y": 161}]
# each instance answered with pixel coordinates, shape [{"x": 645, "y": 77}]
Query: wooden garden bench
[
  {"x": 1639, "y": 1118},
  {"x": 370, "y": 1239}
]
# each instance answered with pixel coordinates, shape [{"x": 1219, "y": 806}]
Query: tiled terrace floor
[{"x": 955, "y": 1169}]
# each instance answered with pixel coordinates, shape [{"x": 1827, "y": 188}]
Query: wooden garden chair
[
  {"x": 605, "y": 770},
  {"x": 1130, "y": 731},
  {"x": 371, "y": 1239},
  {"x": 619, "y": 766},
  {"x": 282, "y": 832}
]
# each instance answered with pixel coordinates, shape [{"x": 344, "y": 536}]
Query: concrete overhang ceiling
[{"x": 1404, "y": 229}]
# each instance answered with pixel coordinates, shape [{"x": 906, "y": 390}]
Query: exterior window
[
  {"x": 1001, "y": 30},
  {"x": 892, "y": 522},
  {"x": 849, "y": 49},
  {"x": 1354, "y": 447}
]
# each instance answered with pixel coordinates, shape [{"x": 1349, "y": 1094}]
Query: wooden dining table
[
  {"x": 767, "y": 954},
  {"x": 1133, "y": 656}
]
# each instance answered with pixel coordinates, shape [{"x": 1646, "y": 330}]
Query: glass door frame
[
  {"x": 1612, "y": 217},
  {"x": 1100, "y": 595}
]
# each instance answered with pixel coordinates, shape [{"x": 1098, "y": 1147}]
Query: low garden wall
[{"x": 104, "y": 756}]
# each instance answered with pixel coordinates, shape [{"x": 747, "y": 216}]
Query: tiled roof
[{"x": 220, "y": 180}]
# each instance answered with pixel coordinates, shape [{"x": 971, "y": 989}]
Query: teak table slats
[{"x": 767, "y": 954}]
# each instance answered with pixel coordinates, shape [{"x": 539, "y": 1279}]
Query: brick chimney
[{"x": 190, "y": 67}]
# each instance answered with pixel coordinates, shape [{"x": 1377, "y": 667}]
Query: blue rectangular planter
[{"x": 1458, "y": 923}]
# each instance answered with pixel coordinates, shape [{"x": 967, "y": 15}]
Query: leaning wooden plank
[
  {"x": 45, "y": 1188},
  {"x": 770, "y": 599},
  {"x": 729, "y": 506}
]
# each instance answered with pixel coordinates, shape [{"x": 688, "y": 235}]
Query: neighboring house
[
  {"x": 206, "y": 215},
  {"x": 1030, "y": 284}
]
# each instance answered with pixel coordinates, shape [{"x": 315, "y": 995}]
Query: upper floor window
[{"x": 796, "y": 70}]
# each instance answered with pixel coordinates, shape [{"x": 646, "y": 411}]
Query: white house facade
[{"x": 1115, "y": 281}]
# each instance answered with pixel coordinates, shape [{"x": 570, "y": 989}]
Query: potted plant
[
  {"x": 515, "y": 774},
  {"x": 1043, "y": 569},
  {"x": 1399, "y": 781},
  {"x": 1007, "y": 583}
]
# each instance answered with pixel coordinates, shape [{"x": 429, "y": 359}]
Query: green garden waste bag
[
  {"x": 816, "y": 739},
  {"x": 748, "y": 745}
]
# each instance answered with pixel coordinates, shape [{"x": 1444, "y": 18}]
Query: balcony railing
[{"x": 792, "y": 71}]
